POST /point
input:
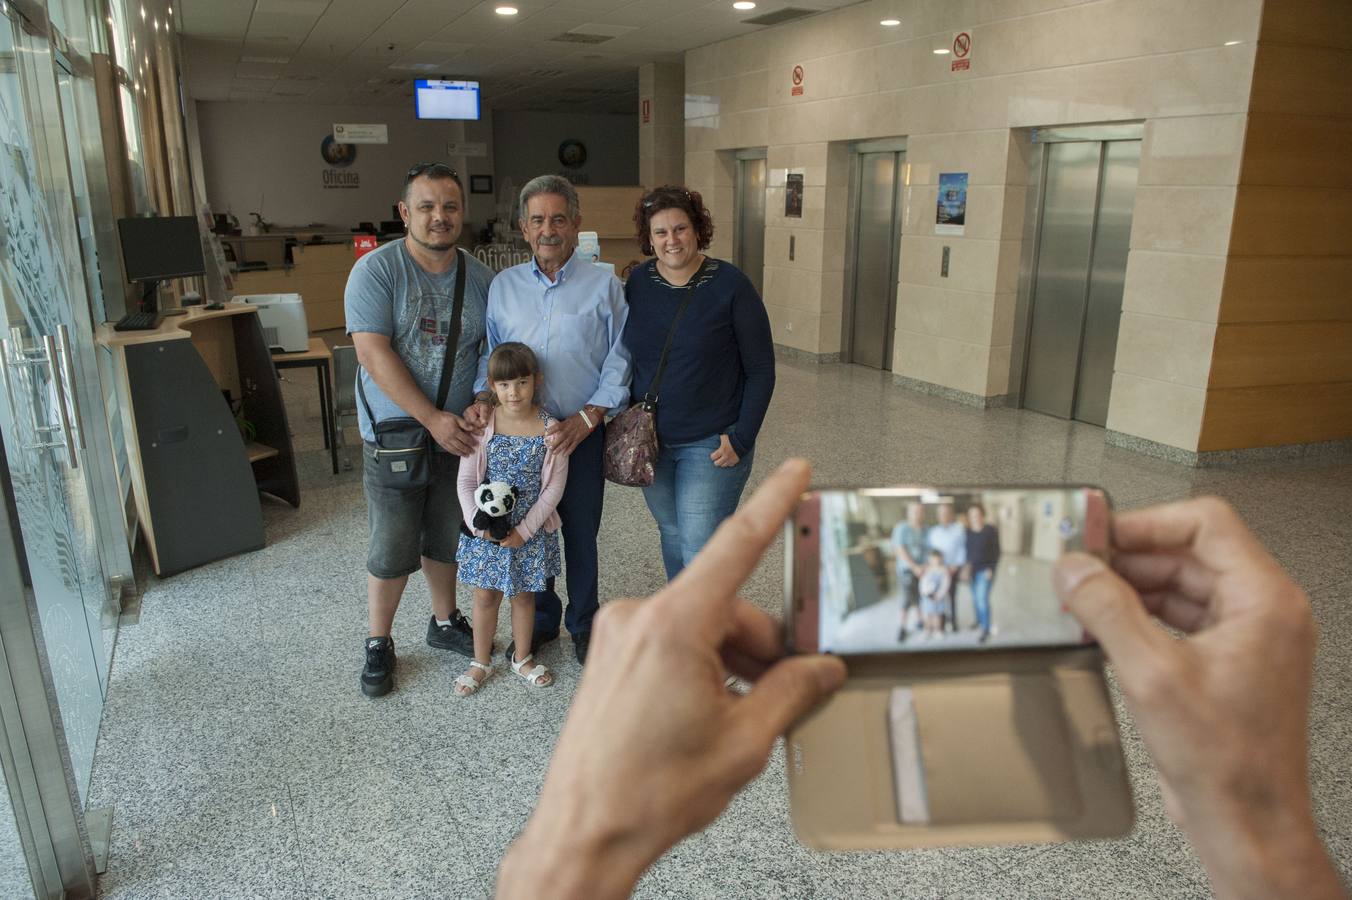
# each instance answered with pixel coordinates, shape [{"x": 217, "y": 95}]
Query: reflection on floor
[
  {"x": 243, "y": 761},
  {"x": 1024, "y": 612}
]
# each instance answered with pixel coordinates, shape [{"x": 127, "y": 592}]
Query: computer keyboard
[{"x": 137, "y": 321}]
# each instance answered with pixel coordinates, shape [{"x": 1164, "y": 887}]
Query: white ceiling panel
[
  {"x": 335, "y": 48},
  {"x": 208, "y": 19}
]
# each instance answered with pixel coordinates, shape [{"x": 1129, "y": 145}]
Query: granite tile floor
[{"x": 242, "y": 761}]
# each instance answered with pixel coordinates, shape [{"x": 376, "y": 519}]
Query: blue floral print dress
[{"x": 517, "y": 461}]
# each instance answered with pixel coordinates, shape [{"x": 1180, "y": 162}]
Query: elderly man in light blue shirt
[
  {"x": 949, "y": 537},
  {"x": 572, "y": 314}
]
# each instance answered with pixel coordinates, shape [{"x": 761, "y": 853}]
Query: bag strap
[
  {"x": 452, "y": 343},
  {"x": 453, "y": 339},
  {"x": 651, "y": 395}
]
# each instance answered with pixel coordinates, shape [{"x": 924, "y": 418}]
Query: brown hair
[
  {"x": 512, "y": 360},
  {"x": 671, "y": 196}
]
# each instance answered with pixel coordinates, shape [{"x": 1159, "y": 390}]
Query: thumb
[
  {"x": 787, "y": 691},
  {"x": 1108, "y": 608}
]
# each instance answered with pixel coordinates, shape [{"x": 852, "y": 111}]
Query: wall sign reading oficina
[{"x": 339, "y": 157}]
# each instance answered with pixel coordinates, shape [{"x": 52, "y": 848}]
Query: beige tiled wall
[
  {"x": 661, "y": 142},
  {"x": 1184, "y": 70}
]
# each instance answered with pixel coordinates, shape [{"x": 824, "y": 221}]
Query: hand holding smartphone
[{"x": 976, "y": 709}]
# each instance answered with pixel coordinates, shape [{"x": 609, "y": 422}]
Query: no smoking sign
[
  {"x": 797, "y": 89},
  {"x": 962, "y": 49}
]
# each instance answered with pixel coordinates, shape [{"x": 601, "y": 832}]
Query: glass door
[
  {"x": 42, "y": 313},
  {"x": 94, "y": 385}
]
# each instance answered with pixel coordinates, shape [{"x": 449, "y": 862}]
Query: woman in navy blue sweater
[{"x": 719, "y": 373}]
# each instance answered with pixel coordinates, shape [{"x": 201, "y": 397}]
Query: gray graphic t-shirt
[{"x": 390, "y": 294}]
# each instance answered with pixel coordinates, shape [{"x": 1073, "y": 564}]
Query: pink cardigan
[{"x": 553, "y": 476}]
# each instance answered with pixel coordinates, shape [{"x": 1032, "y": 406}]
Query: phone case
[{"x": 1015, "y": 745}]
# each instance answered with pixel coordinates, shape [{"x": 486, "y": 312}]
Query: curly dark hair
[{"x": 670, "y": 196}]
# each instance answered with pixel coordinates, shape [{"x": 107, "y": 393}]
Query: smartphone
[
  {"x": 976, "y": 709},
  {"x": 922, "y": 570}
]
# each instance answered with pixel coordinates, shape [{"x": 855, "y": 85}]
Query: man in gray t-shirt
[{"x": 399, "y": 302}]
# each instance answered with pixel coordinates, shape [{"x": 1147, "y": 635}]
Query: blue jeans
[
  {"x": 982, "y": 580},
  {"x": 689, "y": 496}
]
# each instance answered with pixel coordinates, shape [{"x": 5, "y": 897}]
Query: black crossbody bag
[{"x": 402, "y": 443}]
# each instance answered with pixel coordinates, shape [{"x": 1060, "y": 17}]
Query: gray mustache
[{"x": 550, "y": 241}]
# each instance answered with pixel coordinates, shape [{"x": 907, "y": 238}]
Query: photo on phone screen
[{"x": 910, "y": 570}]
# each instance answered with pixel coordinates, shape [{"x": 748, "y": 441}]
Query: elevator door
[
  {"x": 751, "y": 219},
  {"x": 877, "y": 252},
  {"x": 1088, "y": 191}
]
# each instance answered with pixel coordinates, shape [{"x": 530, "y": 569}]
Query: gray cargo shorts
[{"x": 412, "y": 510}]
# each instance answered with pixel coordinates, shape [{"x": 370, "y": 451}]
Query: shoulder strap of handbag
[
  {"x": 452, "y": 342},
  {"x": 651, "y": 395}
]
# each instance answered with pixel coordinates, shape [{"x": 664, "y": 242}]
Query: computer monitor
[
  {"x": 157, "y": 248},
  {"x": 438, "y": 99}
]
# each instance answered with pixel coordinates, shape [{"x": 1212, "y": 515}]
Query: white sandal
[
  {"x": 535, "y": 675},
  {"x": 471, "y": 684}
]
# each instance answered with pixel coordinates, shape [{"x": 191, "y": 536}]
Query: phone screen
[{"x": 920, "y": 570}]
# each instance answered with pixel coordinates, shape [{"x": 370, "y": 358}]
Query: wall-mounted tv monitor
[
  {"x": 158, "y": 248},
  {"x": 446, "y": 99}
]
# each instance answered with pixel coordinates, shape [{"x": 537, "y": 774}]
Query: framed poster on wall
[{"x": 793, "y": 195}]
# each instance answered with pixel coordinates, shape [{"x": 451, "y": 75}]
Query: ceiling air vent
[
  {"x": 573, "y": 37},
  {"x": 779, "y": 16}
]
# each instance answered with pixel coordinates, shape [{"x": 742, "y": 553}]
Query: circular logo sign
[
  {"x": 962, "y": 44},
  {"x": 797, "y": 75},
  {"x": 336, "y": 154}
]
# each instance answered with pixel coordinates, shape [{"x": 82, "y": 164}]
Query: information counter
[{"x": 194, "y": 475}]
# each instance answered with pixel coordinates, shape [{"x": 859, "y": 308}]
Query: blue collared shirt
[{"x": 573, "y": 323}]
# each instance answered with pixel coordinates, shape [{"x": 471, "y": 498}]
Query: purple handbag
[
  {"x": 631, "y": 437},
  {"x": 631, "y": 446}
]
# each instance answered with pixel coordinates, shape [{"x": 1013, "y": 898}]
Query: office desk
[
  {"x": 195, "y": 479},
  {"x": 318, "y": 357}
]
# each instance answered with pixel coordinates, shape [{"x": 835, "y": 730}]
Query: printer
[{"x": 282, "y": 317}]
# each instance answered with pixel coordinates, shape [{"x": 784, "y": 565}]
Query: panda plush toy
[{"x": 495, "y": 501}]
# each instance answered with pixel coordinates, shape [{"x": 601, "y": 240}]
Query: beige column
[{"x": 661, "y": 124}]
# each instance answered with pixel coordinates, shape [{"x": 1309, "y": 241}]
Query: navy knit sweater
[{"x": 721, "y": 367}]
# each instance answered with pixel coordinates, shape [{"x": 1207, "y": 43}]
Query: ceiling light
[
  {"x": 506, "y": 10},
  {"x": 743, "y": 4},
  {"x": 890, "y": 23},
  {"x": 942, "y": 51},
  {"x": 1231, "y": 43}
]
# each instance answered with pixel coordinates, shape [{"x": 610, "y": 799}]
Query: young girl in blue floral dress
[{"x": 512, "y": 450}]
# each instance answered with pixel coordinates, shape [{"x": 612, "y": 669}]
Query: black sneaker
[
  {"x": 457, "y": 636},
  {"x": 580, "y": 644},
  {"x": 377, "y": 678}
]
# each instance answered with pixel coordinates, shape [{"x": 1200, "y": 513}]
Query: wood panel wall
[{"x": 1282, "y": 366}]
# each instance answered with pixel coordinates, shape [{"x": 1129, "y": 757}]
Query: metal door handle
[
  {"x": 6, "y": 351},
  {"x": 68, "y": 373},
  {"x": 62, "y": 412}
]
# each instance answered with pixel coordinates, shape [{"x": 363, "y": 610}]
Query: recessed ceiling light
[
  {"x": 941, "y": 51},
  {"x": 506, "y": 10},
  {"x": 890, "y": 23},
  {"x": 743, "y": 4}
]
